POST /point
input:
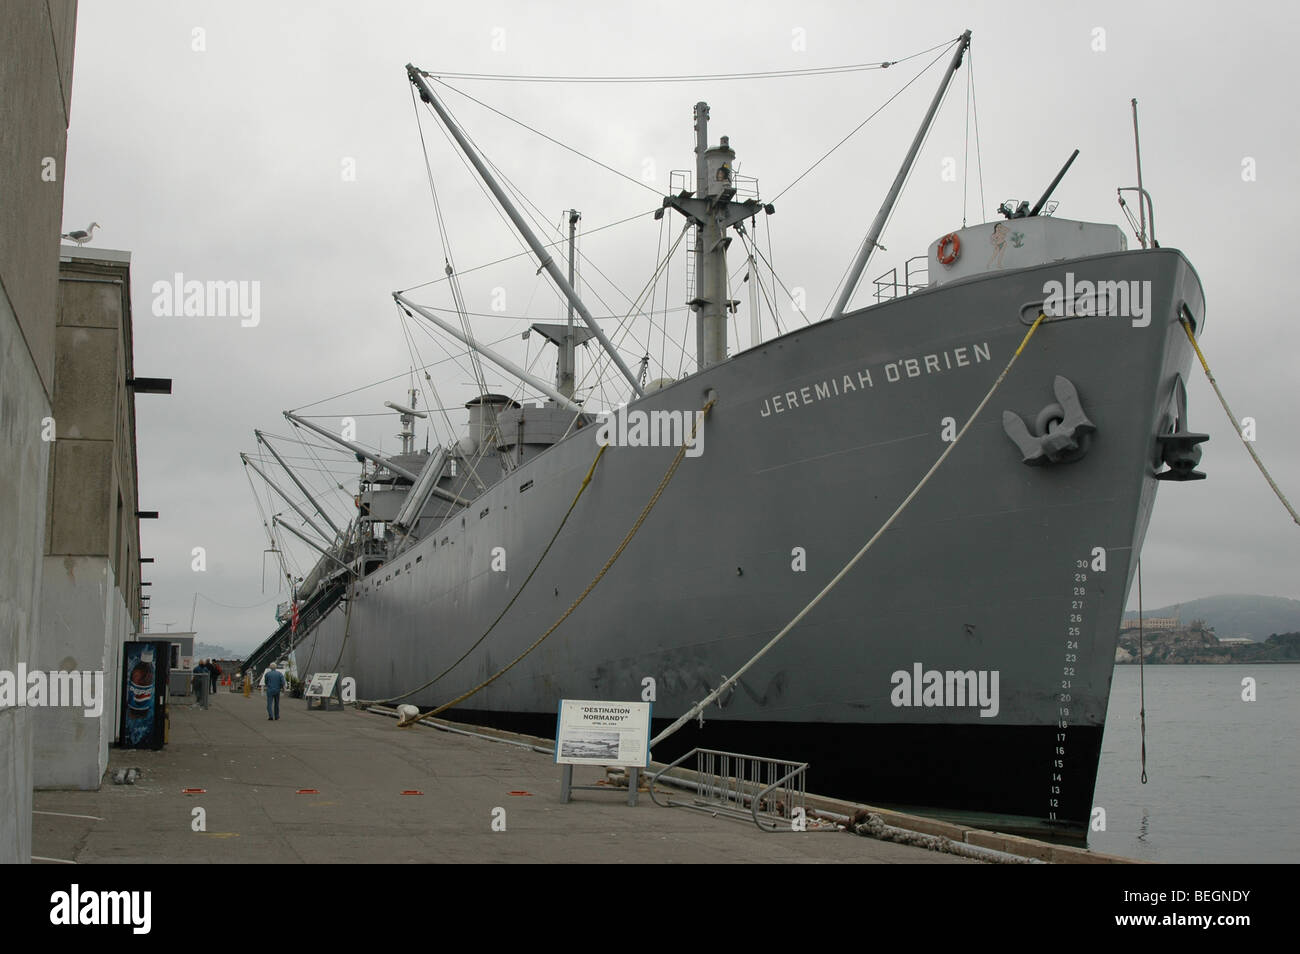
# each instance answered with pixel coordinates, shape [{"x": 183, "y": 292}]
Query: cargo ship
[{"x": 962, "y": 666}]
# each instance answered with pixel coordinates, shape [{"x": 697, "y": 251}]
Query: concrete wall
[
  {"x": 93, "y": 496},
  {"x": 84, "y": 622},
  {"x": 36, "y": 44},
  {"x": 23, "y": 466},
  {"x": 91, "y": 589}
]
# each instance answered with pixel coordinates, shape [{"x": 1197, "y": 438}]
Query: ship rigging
[{"x": 441, "y": 583}]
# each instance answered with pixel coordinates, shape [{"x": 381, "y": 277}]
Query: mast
[
  {"x": 701, "y": 284},
  {"x": 711, "y": 324},
  {"x": 1142, "y": 208},
  {"x": 261, "y": 438},
  {"x": 878, "y": 225},
  {"x": 712, "y": 212},
  {"x": 407, "y": 415},
  {"x": 565, "y": 372},
  {"x": 544, "y": 257}
]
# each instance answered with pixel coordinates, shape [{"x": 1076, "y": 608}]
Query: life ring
[{"x": 950, "y": 257}]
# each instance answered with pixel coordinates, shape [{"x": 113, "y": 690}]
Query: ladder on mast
[{"x": 679, "y": 181}]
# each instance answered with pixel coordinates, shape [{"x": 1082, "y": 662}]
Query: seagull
[{"x": 82, "y": 237}]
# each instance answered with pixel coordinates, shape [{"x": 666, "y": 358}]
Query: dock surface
[{"x": 252, "y": 771}]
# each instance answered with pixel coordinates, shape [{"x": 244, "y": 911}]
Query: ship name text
[{"x": 862, "y": 380}]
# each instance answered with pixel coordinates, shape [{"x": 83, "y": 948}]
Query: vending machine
[{"x": 146, "y": 672}]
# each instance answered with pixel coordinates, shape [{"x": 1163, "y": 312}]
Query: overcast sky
[{"x": 276, "y": 143}]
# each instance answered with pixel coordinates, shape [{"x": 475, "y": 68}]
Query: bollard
[{"x": 248, "y": 685}]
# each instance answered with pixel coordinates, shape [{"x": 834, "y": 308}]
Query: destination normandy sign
[
  {"x": 589, "y": 732},
  {"x": 321, "y": 685},
  {"x": 892, "y": 372}
]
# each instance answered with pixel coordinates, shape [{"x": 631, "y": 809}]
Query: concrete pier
[{"x": 252, "y": 772}]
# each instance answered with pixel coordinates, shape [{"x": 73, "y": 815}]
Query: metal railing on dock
[{"x": 770, "y": 792}]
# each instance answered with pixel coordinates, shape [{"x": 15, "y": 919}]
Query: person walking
[
  {"x": 274, "y": 684},
  {"x": 214, "y": 670}
]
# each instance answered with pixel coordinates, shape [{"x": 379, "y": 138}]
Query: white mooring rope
[{"x": 700, "y": 706}]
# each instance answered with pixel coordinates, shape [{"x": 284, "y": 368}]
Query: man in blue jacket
[{"x": 274, "y": 683}]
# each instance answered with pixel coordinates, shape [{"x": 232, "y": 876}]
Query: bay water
[{"x": 1223, "y": 773}]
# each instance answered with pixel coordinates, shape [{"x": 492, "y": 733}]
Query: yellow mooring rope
[
  {"x": 522, "y": 586},
  {"x": 645, "y": 512},
  {"x": 1235, "y": 426}
]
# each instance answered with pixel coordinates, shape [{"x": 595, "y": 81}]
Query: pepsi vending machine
[{"x": 146, "y": 671}]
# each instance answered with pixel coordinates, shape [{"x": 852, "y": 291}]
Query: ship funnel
[{"x": 483, "y": 411}]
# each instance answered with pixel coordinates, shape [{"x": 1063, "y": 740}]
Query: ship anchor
[
  {"x": 1178, "y": 448},
  {"x": 1064, "y": 432}
]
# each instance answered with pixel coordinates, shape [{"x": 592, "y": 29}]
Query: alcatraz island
[{"x": 1196, "y": 643}]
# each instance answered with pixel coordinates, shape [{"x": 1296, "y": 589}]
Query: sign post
[
  {"x": 323, "y": 688},
  {"x": 591, "y": 732}
]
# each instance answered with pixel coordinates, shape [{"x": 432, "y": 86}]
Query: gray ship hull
[{"x": 815, "y": 438}]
